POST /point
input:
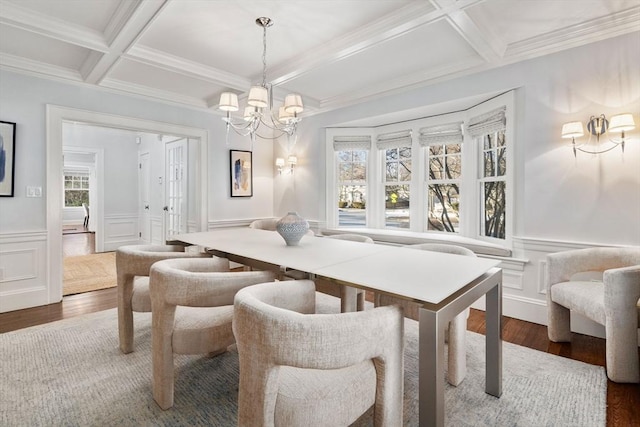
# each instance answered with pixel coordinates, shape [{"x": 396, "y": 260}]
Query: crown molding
[
  {"x": 36, "y": 68},
  {"x": 157, "y": 94},
  {"x": 592, "y": 31},
  {"x": 51, "y": 27}
]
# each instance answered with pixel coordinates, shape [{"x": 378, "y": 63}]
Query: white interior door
[
  {"x": 144, "y": 188},
  {"x": 176, "y": 177}
]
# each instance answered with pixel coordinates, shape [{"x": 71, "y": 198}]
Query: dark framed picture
[
  {"x": 241, "y": 173},
  {"x": 7, "y": 157}
]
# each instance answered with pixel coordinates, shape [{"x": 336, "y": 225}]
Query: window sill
[{"x": 399, "y": 237}]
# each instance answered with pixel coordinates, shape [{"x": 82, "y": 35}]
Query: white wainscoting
[
  {"x": 157, "y": 234},
  {"x": 120, "y": 230},
  {"x": 23, "y": 270}
]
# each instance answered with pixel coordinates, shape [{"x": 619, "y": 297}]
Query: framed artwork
[
  {"x": 241, "y": 173},
  {"x": 7, "y": 157}
]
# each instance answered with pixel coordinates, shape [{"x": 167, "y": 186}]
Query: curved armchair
[
  {"x": 133, "y": 264},
  {"x": 345, "y": 292},
  {"x": 457, "y": 328},
  {"x": 602, "y": 284},
  {"x": 192, "y": 302},
  {"x": 302, "y": 369}
]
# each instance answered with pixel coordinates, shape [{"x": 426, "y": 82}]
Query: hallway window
[
  {"x": 351, "y": 165},
  {"x": 76, "y": 190}
]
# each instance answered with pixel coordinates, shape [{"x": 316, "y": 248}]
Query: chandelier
[{"x": 259, "y": 112}]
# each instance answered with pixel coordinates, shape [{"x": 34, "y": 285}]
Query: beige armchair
[
  {"x": 192, "y": 302},
  {"x": 303, "y": 369},
  {"x": 602, "y": 284},
  {"x": 457, "y": 330},
  {"x": 341, "y": 291},
  {"x": 133, "y": 264}
]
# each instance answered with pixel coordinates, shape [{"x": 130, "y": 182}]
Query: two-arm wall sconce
[
  {"x": 598, "y": 126},
  {"x": 292, "y": 160}
]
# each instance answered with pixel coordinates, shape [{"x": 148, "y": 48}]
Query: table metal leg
[
  {"x": 493, "y": 317},
  {"x": 431, "y": 369}
]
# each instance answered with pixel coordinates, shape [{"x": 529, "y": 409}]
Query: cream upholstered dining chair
[
  {"x": 304, "y": 369},
  {"x": 340, "y": 290},
  {"x": 602, "y": 284},
  {"x": 133, "y": 264},
  {"x": 457, "y": 329},
  {"x": 192, "y": 310}
]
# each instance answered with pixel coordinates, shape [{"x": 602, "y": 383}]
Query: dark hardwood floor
[{"x": 623, "y": 400}]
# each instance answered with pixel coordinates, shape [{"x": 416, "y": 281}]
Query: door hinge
[
  {"x": 140, "y": 234},
  {"x": 139, "y": 165}
]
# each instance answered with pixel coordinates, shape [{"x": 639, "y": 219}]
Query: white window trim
[{"x": 469, "y": 184}]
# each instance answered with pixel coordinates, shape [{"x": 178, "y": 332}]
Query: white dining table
[{"x": 444, "y": 285}]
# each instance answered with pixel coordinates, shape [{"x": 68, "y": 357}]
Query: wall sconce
[
  {"x": 598, "y": 126},
  {"x": 292, "y": 160}
]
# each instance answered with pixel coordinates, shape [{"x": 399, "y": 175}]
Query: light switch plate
[{"x": 34, "y": 191}]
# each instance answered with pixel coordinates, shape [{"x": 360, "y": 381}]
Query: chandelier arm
[{"x": 616, "y": 144}]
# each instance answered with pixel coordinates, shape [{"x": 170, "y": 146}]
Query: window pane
[
  {"x": 501, "y": 139},
  {"x": 453, "y": 167},
  {"x": 352, "y": 205},
  {"x": 75, "y": 198},
  {"x": 359, "y": 172},
  {"x": 392, "y": 171},
  {"x": 405, "y": 170},
  {"x": 489, "y": 164},
  {"x": 443, "y": 206},
  {"x": 360, "y": 156},
  {"x": 405, "y": 152},
  {"x": 453, "y": 148},
  {"x": 392, "y": 154},
  {"x": 488, "y": 142},
  {"x": 344, "y": 156},
  {"x": 344, "y": 171},
  {"x": 502, "y": 161},
  {"x": 435, "y": 168},
  {"x": 397, "y": 206},
  {"x": 494, "y": 209},
  {"x": 434, "y": 150}
]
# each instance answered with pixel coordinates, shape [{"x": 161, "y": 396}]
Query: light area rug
[
  {"x": 72, "y": 373},
  {"x": 86, "y": 273}
]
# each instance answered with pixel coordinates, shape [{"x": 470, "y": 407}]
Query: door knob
[
  {"x": 166, "y": 208},
  {"x": 146, "y": 207}
]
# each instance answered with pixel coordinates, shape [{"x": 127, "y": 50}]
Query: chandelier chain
[{"x": 264, "y": 56}]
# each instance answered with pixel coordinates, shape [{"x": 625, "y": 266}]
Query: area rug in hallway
[
  {"x": 72, "y": 373},
  {"x": 86, "y": 273}
]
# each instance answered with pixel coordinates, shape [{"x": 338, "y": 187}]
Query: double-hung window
[
  {"x": 76, "y": 189},
  {"x": 352, "y": 154},
  {"x": 443, "y": 170},
  {"x": 489, "y": 130},
  {"x": 396, "y": 149}
]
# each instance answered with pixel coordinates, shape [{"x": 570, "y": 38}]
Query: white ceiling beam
[
  {"x": 131, "y": 29},
  {"x": 166, "y": 61},
  {"x": 488, "y": 46},
  {"x": 148, "y": 92},
  {"x": 51, "y": 27},
  {"x": 390, "y": 26}
]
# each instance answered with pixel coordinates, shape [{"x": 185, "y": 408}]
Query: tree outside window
[
  {"x": 397, "y": 188},
  {"x": 352, "y": 188},
  {"x": 493, "y": 185},
  {"x": 76, "y": 190},
  {"x": 443, "y": 188}
]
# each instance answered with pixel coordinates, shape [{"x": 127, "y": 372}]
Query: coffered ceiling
[{"x": 334, "y": 53}]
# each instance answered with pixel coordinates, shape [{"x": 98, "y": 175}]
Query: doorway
[{"x": 56, "y": 117}]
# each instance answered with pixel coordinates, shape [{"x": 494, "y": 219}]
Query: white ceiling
[{"x": 334, "y": 53}]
